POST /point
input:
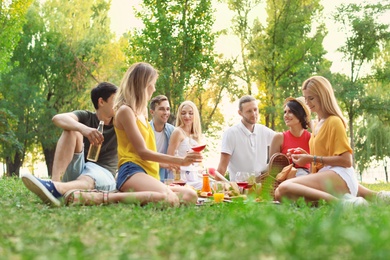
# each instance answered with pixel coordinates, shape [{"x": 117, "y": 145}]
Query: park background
[{"x": 218, "y": 50}]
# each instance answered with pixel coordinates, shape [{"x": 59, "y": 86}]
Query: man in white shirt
[{"x": 245, "y": 145}]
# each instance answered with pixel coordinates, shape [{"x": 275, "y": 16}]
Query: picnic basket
[{"x": 268, "y": 180}]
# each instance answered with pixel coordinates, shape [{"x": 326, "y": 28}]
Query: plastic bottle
[{"x": 94, "y": 150}]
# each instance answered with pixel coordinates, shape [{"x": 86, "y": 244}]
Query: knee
[
  {"x": 86, "y": 182},
  {"x": 189, "y": 196},
  {"x": 71, "y": 136},
  {"x": 282, "y": 191},
  {"x": 172, "y": 199}
]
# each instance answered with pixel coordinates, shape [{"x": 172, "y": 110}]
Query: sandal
[{"x": 85, "y": 197}]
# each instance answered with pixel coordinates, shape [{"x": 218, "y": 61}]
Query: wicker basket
[{"x": 268, "y": 180}]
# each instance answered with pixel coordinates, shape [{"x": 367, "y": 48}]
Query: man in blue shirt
[{"x": 160, "y": 111}]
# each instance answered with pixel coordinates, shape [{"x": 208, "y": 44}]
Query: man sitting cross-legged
[{"x": 71, "y": 170}]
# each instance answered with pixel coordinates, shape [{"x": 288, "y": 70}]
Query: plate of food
[{"x": 205, "y": 194}]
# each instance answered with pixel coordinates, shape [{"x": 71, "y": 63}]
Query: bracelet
[
  {"x": 322, "y": 160},
  {"x": 314, "y": 159}
]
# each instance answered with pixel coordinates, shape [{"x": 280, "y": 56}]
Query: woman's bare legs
[
  {"x": 143, "y": 182},
  {"x": 139, "y": 189},
  {"x": 366, "y": 193},
  {"x": 186, "y": 195},
  {"x": 325, "y": 185}
]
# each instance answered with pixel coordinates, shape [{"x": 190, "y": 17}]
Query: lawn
[{"x": 31, "y": 230}]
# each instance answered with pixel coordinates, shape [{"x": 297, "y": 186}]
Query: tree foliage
[
  {"x": 178, "y": 40},
  {"x": 243, "y": 29},
  {"x": 57, "y": 61},
  {"x": 365, "y": 34},
  {"x": 12, "y": 18},
  {"x": 373, "y": 129},
  {"x": 286, "y": 51}
]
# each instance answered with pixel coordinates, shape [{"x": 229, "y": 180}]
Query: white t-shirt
[
  {"x": 249, "y": 151},
  {"x": 161, "y": 140}
]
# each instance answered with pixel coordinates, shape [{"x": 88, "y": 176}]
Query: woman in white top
[{"x": 188, "y": 133}]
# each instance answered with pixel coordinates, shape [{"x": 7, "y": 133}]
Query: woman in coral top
[
  {"x": 330, "y": 153},
  {"x": 296, "y": 139}
]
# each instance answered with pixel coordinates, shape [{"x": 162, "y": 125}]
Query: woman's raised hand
[
  {"x": 192, "y": 157},
  {"x": 301, "y": 159},
  {"x": 297, "y": 150}
]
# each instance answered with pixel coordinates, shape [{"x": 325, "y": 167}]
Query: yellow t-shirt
[
  {"x": 331, "y": 140},
  {"x": 127, "y": 152}
]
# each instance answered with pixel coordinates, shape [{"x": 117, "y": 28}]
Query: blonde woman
[
  {"x": 138, "y": 159},
  {"x": 330, "y": 153},
  {"x": 188, "y": 131}
]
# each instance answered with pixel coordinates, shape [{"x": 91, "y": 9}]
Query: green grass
[{"x": 31, "y": 230}]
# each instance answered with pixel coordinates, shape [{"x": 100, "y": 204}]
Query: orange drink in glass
[
  {"x": 219, "y": 191},
  {"x": 218, "y": 197}
]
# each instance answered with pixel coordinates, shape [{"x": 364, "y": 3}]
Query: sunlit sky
[{"x": 122, "y": 20}]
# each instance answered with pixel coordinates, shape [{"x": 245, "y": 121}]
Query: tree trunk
[
  {"x": 49, "y": 158},
  {"x": 352, "y": 142},
  {"x": 13, "y": 166}
]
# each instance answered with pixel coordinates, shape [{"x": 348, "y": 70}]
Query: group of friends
[{"x": 137, "y": 156}]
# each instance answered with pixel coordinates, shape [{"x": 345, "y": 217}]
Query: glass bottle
[
  {"x": 94, "y": 150},
  {"x": 206, "y": 183}
]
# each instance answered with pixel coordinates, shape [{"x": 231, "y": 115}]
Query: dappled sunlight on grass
[{"x": 222, "y": 231}]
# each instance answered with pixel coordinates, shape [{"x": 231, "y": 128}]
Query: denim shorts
[
  {"x": 126, "y": 171},
  {"x": 104, "y": 180}
]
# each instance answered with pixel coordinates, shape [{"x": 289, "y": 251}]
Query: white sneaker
[
  {"x": 383, "y": 196},
  {"x": 349, "y": 200}
]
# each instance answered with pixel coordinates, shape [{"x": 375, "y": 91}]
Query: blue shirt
[{"x": 168, "y": 129}]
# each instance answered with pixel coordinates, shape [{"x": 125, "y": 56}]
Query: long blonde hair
[
  {"x": 131, "y": 91},
  {"x": 196, "y": 129},
  {"x": 321, "y": 87}
]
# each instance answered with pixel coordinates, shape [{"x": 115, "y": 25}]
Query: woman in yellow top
[
  {"x": 138, "y": 159},
  {"x": 330, "y": 153}
]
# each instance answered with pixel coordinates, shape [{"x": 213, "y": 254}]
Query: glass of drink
[
  {"x": 242, "y": 181},
  {"x": 219, "y": 191},
  {"x": 170, "y": 177}
]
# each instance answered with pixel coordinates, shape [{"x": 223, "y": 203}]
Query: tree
[
  {"x": 286, "y": 51},
  {"x": 243, "y": 30},
  {"x": 208, "y": 97},
  {"x": 178, "y": 41},
  {"x": 373, "y": 128},
  {"x": 59, "y": 56},
  {"x": 12, "y": 18},
  {"x": 373, "y": 143},
  {"x": 364, "y": 35}
]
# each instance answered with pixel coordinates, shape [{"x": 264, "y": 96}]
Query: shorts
[
  {"x": 347, "y": 174},
  {"x": 126, "y": 171},
  {"x": 103, "y": 178}
]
